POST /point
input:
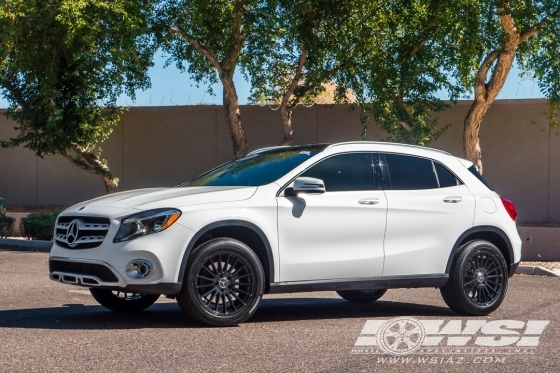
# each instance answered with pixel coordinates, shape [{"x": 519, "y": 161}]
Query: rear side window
[
  {"x": 345, "y": 172},
  {"x": 473, "y": 171},
  {"x": 409, "y": 173},
  {"x": 445, "y": 177}
]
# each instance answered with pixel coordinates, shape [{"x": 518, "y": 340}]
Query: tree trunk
[
  {"x": 286, "y": 115},
  {"x": 233, "y": 118},
  {"x": 471, "y": 140},
  {"x": 486, "y": 92},
  {"x": 111, "y": 184},
  {"x": 93, "y": 163}
]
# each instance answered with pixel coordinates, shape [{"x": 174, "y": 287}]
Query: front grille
[
  {"x": 81, "y": 232},
  {"x": 97, "y": 270}
]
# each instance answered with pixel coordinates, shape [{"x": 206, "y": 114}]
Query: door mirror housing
[{"x": 307, "y": 185}]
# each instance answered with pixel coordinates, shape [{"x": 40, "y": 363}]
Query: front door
[{"x": 338, "y": 234}]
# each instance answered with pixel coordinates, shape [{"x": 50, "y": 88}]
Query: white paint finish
[
  {"x": 334, "y": 236},
  {"x": 500, "y": 219},
  {"x": 331, "y": 235},
  {"x": 422, "y": 229},
  {"x": 488, "y": 205}
]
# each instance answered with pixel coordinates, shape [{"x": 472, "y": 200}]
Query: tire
[
  {"x": 224, "y": 283},
  {"x": 478, "y": 279},
  {"x": 361, "y": 296},
  {"x": 119, "y": 301}
]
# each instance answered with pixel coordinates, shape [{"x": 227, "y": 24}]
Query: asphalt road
[{"x": 47, "y": 326}]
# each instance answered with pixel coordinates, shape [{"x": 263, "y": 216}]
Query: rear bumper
[{"x": 513, "y": 268}]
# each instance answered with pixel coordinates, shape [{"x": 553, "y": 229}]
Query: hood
[{"x": 145, "y": 199}]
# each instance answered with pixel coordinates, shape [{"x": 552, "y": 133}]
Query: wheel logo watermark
[
  {"x": 448, "y": 341},
  {"x": 401, "y": 336}
]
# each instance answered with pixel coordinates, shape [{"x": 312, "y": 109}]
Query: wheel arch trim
[
  {"x": 226, "y": 223},
  {"x": 481, "y": 229}
]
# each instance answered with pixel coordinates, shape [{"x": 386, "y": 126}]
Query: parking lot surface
[{"x": 47, "y": 326}]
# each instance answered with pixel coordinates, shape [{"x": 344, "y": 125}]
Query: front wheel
[
  {"x": 120, "y": 301},
  {"x": 224, "y": 283},
  {"x": 362, "y": 296},
  {"x": 478, "y": 280}
]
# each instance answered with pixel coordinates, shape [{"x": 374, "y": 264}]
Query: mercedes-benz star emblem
[
  {"x": 73, "y": 231},
  {"x": 223, "y": 283}
]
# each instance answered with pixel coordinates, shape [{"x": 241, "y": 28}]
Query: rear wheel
[
  {"x": 120, "y": 301},
  {"x": 224, "y": 283},
  {"x": 362, "y": 296},
  {"x": 478, "y": 279}
]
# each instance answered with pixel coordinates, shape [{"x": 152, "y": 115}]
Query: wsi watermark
[{"x": 406, "y": 335}]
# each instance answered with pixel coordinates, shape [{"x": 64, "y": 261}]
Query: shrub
[
  {"x": 2, "y": 207},
  {"x": 6, "y": 226},
  {"x": 38, "y": 226}
]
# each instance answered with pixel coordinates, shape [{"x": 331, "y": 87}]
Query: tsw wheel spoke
[
  {"x": 239, "y": 299},
  {"x": 240, "y": 290},
  {"x": 206, "y": 278},
  {"x": 232, "y": 303}
]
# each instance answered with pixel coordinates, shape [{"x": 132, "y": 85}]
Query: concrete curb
[
  {"x": 26, "y": 244},
  {"x": 537, "y": 271}
]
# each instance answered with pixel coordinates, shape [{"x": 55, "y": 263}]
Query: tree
[
  {"x": 298, "y": 51},
  {"x": 63, "y": 61},
  {"x": 407, "y": 64},
  {"x": 206, "y": 38},
  {"x": 497, "y": 33}
]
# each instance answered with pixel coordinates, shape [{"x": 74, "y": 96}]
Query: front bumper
[{"x": 105, "y": 266}]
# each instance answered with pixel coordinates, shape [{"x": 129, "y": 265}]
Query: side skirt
[{"x": 388, "y": 282}]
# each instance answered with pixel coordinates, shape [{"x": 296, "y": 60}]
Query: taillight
[{"x": 510, "y": 208}]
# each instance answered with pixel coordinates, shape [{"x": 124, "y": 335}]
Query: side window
[
  {"x": 408, "y": 173},
  {"x": 445, "y": 177},
  {"x": 345, "y": 172}
]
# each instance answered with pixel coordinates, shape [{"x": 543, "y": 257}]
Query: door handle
[
  {"x": 452, "y": 199},
  {"x": 369, "y": 201}
]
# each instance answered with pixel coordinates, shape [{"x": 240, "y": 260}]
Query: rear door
[{"x": 428, "y": 209}]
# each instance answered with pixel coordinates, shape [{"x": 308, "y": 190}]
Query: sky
[{"x": 170, "y": 87}]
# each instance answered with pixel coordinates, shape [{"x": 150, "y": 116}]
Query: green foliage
[
  {"x": 6, "y": 226},
  {"x": 6, "y": 222},
  {"x": 212, "y": 23},
  {"x": 323, "y": 31},
  {"x": 63, "y": 65},
  {"x": 399, "y": 80},
  {"x": 38, "y": 226},
  {"x": 2, "y": 207}
]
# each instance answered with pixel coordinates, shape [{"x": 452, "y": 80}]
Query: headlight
[{"x": 147, "y": 222}]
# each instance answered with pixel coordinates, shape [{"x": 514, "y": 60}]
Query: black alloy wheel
[
  {"x": 223, "y": 284},
  {"x": 478, "y": 279},
  {"x": 483, "y": 278}
]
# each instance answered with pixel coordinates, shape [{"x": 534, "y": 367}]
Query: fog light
[{"x": 139, "y": 268}]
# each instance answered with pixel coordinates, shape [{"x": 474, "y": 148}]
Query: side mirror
[{"x": 306, "y": 185}]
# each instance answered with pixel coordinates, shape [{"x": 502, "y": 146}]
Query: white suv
[{"x": 357, "y": 218}]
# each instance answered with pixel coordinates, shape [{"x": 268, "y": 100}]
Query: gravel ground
[{"x": 47, "y": 326}]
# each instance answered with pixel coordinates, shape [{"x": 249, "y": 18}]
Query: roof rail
[{"x": 387, "y": 143}]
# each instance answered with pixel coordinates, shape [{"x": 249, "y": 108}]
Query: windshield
[{"x": 259, "y": 168}]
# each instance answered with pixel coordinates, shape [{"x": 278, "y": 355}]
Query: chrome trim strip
[{"x": 83, "y": 225}]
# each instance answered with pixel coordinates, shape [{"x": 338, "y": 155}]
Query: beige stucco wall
[{"x": 163, "y": 146}]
